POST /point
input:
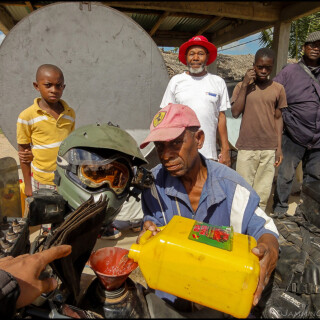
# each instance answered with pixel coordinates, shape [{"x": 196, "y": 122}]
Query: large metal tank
[{"x": 113, "y": 69}]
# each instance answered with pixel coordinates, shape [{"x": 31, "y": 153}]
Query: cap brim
[
  {"x": 208, "y": 45},
  {"x": 162, "y": 134}
]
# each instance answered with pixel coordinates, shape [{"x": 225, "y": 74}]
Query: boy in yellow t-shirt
[{"x": 42, "y": 127}]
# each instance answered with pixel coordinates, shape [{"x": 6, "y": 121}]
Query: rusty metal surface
[{"x": 10, "y": 202}]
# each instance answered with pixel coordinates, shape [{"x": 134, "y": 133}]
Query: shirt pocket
[{"x": 212, "y": 97}]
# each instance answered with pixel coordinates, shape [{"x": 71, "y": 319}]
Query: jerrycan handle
[{"x": 147, "y": 235}]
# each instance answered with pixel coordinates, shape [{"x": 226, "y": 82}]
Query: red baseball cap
[
  {"x": 198, "y": 41},
  {"x": 170, "y": 122}
]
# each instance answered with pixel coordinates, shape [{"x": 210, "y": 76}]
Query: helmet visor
[
  {"x": 78, "y": 156},
  {"x": 115, "y": 174}
]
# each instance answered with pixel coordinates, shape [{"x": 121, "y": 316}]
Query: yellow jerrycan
[{"x": 210, "y": 265}]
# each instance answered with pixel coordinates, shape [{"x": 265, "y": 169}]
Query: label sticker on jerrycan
[{"x": 215, "y": 236}]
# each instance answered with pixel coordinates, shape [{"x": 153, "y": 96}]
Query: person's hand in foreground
[
  {"x": 267, "y": 250},
  {"x": 26, "y": 270}
]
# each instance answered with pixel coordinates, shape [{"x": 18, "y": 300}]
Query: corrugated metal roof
[
  {"x": 169, "y": 23},
  {"x": 219, "y": 25},
  {"x": 190, "y": 24},
  {"x": 146, "y": 21},
  {"x": 129, "y": 14},
  {"x": 17, "y": 12}
]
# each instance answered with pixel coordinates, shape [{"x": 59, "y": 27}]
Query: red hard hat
[{"x": 198, "y": 41}]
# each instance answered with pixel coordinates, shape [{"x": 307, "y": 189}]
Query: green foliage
[
  {"x": 299, "y": 30},
  {"x": 266, "y": 38}
]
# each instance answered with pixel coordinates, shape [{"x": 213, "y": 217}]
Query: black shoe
[
  {"x": 278, "y": 215},
  {"x": 110, "y": 234}
]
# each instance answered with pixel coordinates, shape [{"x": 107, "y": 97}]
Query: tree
[{"x": 299, "y": 30}]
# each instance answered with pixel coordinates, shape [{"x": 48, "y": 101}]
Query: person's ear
[
  {"x": 199, "y": 135},
  {"x": 36, "y": 86},
  {"x": 207, "y": 58}
]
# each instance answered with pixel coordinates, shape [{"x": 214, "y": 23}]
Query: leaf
[{"x": 299, "y": 30}]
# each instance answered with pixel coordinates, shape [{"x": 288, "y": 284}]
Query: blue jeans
[{"x": 293, "y": 153}]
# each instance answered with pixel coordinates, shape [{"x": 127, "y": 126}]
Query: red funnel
[{"x": 109, "y": 268}]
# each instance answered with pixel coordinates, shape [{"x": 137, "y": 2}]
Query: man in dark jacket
[
  {"x": 301, "y": 136},
  {"x": 19, "y": 278}
]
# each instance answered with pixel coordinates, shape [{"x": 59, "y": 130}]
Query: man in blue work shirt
[{"x": 194, "y": 187}]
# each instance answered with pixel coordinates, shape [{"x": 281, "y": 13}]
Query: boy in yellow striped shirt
[{"x": 41, "y": 128}]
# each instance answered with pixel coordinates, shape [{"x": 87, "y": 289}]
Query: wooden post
[{"x": 280, "y": 45}]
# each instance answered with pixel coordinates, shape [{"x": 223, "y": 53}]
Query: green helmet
[{"x": 97, "y": 160}]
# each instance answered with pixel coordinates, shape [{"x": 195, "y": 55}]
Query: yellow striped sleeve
[{"x": 23, "y": 129}]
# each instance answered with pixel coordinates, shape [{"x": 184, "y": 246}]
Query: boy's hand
[
  {"x": 25, "y": 156},
  {"x": 224, "y": 158},
  {"x": 28, "y": 190},
  {"x": 249, "y": 77},
  {"x": 278, "y": 158}
]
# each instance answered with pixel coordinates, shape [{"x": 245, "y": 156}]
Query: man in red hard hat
[{"x": 203, "y": 92}]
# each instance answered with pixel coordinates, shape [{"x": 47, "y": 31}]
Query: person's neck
[
  {"x": 196, "y": 175},
  {"x": 262, "y": 82},
  {"x": 56, "y": 107},
  {"x": 309, "y": 62},
  {"x": 201, "y": 74}
]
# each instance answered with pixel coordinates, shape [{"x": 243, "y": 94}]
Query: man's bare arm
[
  {"x": 279, "y": 128},
  {"x": 238, "y": 105},
  {"x": 224, "y": 156}
]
